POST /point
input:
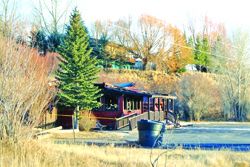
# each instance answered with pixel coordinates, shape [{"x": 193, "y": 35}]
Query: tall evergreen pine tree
[
  {"x": 201, "y": 53},
  {"x": 77, "y": 71}
]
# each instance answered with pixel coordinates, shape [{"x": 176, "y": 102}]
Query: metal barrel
[{"x": 150, "y": 133}]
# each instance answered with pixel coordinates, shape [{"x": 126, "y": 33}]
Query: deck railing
[
  {"x": 131, "y": 120},
  {"x": 123, "y": 121},
  {"x": 157, "y": 116}
]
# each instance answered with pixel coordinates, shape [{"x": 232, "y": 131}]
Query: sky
[{"x": 233, "y": 13}]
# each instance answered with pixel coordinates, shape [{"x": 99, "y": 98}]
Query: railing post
[
  {"x": 163, "y": 104},
  {"x": 148, "y": 108},
  {"x": 159, "y": 109},
  {"x": 167, "y": 109},
  {"x": 154, "y": 104},
  {"x": 115, "y": 124},
  {"x": 175, "y": 115}
]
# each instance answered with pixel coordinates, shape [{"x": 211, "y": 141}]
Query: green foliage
[
  {"x": 181, "y": 70},
  {"x": 77, "y": 71},
  {"x": 202, "y": 53},
  {"x": 99, "y": 51},
  {"x": 98, "y": 46},
  {"x": 190, "y": 41},
  {"x": 45, "y": 42},
  {"x": 39, "y": 41},
  {"x": 54, "y": 41}
]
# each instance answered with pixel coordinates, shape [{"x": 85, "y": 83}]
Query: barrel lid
[{"x": 150, "y": 121}]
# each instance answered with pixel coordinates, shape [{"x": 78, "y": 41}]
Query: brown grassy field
[{"x": 38, "y": 153}]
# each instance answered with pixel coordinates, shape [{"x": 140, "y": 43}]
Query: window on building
[
  {"x": 131, "y": 103},
  {"x": 111, "y": 103}
]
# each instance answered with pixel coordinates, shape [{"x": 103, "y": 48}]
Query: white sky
[{"x": 233, "y": 13}]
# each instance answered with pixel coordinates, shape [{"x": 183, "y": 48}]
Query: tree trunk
[{"x": 145, "y": 62}]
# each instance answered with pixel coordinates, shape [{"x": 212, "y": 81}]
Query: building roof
[
  {"x": 128, "y": 88},
  {"x": 122, "y": 89},
  {"x": 125, "y": 84}
]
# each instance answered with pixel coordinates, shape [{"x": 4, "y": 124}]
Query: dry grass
[
  {"x": 88, "y": 135},
  {"x": 36, "y": 153}
]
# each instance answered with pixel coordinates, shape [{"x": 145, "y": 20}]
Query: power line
[{"x": 193, "y": 49}]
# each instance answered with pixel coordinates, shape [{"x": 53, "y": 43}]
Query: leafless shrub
[
  {"x": 87, "y": 121},
  {"x": 24, "y": 90},
  {"x": 199, "y": 95}
]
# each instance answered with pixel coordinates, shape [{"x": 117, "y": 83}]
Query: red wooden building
[
  {"x": 119, "y": 101},
  {"x": 122, "y": 104}
]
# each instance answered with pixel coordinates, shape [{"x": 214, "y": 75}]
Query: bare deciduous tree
[
  {"x": 7, "y": 16},
  {"x": 205, "y": 28},
  {"x": 179, "y": 54},
  {"x": 11, "y": 25},
  {"x": 234, "y": 76},
  {"x": 51, "y": 16},
  {"x": 150, "y": 41},
  {"x": 101, "y": 29}
]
